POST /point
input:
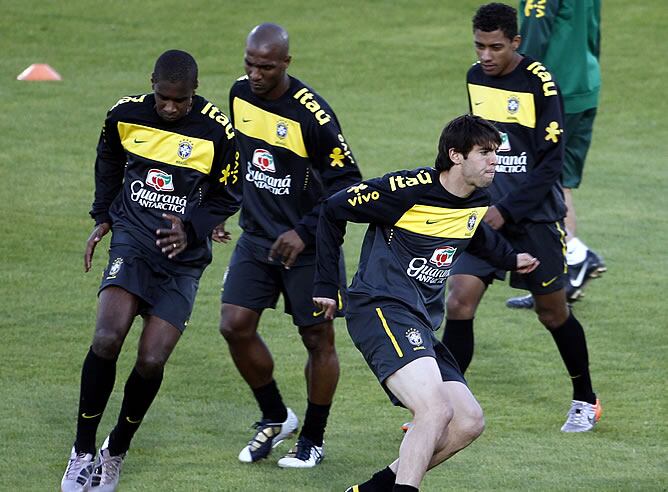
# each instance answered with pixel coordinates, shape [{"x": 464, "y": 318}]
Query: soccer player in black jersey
[
  {"x": 292, "y": 155},
  {"x": 163, "y": 180},
  {"x": 521, "y": 97},
  {"x": 421, "y": 221}
]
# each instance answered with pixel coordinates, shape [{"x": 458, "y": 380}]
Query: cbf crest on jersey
[
  {"x": 513, "y": 104},
  {"x": 185, "y": 149},
  {"x": 281, "y": 129},
  {"x": 473, "y": 218},
  {"x": 414, "y": 338},
  {"x": 443, "y": 256}
]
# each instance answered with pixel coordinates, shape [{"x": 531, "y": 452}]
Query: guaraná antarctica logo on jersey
[
  {"x": 281, "y": 129},
  {"x": 420, "y": 270},
  {"x": 415, "y": 338},
  {"x": 443, "y": 256},
  {"x": 115, "y": 268},
  {"x": 513, "y": 104},
  {"x": 264, "y": 162},
  {"x": 159, "y": 181},
  {"x": 473, "y": 218},
  {"x": 185, "y": 149}
]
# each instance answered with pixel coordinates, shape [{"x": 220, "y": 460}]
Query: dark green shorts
[{"x": 578, "y": 130}]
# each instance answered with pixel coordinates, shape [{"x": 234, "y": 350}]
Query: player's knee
[
  {"x": 473, "y": 423},
  {"x": 552, "y": 318},
  {"x": 107, "y": 343},
  {"x": 319, "y": 338},
  {"x": 151, "y": 366},
  {"x": 234, "y": 331},
  {"x": 458, "y": 307}
]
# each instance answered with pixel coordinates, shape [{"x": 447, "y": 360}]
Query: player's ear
[
  {"x": 455, "y": 157},
  {"x": 515, "y": 42}
]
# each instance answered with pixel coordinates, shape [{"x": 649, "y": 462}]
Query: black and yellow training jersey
[
  {"x": 147, "y": 166},
  {"x": 526, "y": 107},
  {"x": 417, "y": 231},
  {"x": 292, "y": 155}
]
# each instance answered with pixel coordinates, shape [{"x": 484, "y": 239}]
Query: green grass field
[{"x": 394, "y": 73}]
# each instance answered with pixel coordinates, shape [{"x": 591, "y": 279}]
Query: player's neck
[
  {"x": 454, "y": 183},
  {"x": 517, "y": 58}
]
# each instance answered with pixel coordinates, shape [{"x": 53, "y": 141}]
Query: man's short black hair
[
  {"x": 175, "y": 66},
  {"x": 462, "y": 134},
  {"x": 493, "y": 16}
]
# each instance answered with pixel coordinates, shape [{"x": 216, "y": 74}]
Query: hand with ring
[{"x": 172, "y": 241}]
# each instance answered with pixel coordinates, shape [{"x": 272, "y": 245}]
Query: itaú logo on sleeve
[
  {"x": 443, "y": 256},
  {"x": 264, "y": 160},
  {"x": 159, "y": 180}
]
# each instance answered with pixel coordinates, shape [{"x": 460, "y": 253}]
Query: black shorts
[
  {"x": 253, "y": 282},
  {"x": 389, "y": 336},
  {"x": 545, "y": 241},
  {"x": 168, "y": 293}
]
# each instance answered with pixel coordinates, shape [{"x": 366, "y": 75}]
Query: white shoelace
[{"x": 75, "y": 466}]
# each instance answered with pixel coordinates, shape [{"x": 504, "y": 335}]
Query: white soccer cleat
[
  {"x": 582, "y": 416},
  {"x": 107, "y": 470},
  {"x": 77, "y": 474},
  {"x": 305, "y": 454},
  {"x": 268, "y": 436}
]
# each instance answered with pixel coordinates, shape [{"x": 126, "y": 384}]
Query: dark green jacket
[{"x": 565, "y": 35}]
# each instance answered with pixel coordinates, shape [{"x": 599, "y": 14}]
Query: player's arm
[
  {"x": 371, "y": 202},
  {"x": 536, "y": 26},
  {"x": 223, "y": 198},
  {"x": 489, "y": 245},
  {"x": 109, "y": 171},
  {"x": 335, "y": 163},
  {"x": 549, "y": 144}
]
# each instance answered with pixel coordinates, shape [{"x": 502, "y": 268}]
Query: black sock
[
  {"x": 139, "y": 394},
  {"x": 403, "y": 488},
  {"x": 271, "y": 403},
  {"x": 381, "y": 481},
  {"x": 97, "y": 381},
  {"x": 570, "y": 340},
  {"x": 458, "y": 337},
  {"x": 315, "y": 422}
]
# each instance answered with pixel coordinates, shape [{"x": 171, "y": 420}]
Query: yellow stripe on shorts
[{"x": 379, "y": 312}]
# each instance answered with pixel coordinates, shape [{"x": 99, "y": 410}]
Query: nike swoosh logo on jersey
[
  {"x": 90, "y": 416},
  {"x": 580, "y": 278},
  {"x": 140, "y": 141},
  {"x": 545, "y": 284},
  {"x": 478, "y": 103},
  {"x": 245, "y": 120},
  {"x": 318, "y": 313},
  {"x": 431, "y": 221}
]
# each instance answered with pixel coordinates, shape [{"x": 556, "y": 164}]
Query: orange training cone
[{"x": 39, "y": 71}]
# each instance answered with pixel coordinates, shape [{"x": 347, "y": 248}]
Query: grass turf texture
[{"x": 394, "y": 75}]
